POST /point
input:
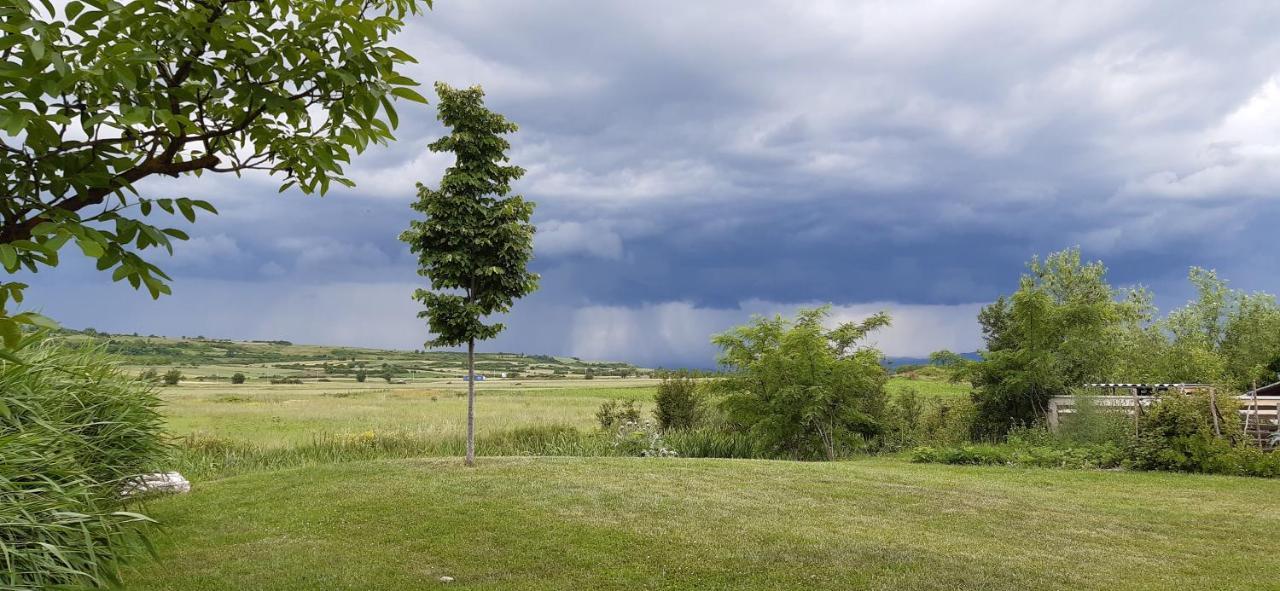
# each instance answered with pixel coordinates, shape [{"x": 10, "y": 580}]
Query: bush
[
  {"x": 1021, "y": 454},
  {"x": 74, "y": 432},
  {"x": 1090, "y": 423},
  {"x": 1177, "y": 433},
  {"x": 615, "y": 413},
  {"x": 172, "y": 377},
  {"x": 237, "y": 378},
  {"x": 361, "y": 375},
  {"x": 634, "y": 438},
  {"x": 801, "y": 390},
  {"x": 286, "y": 380},
  {"x": 678, "y": 404}
]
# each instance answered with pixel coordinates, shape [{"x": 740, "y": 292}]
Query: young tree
[
  {"x": 361, "y": 375},
  {"x": 99, "y": 96},
  {"x": 475, "y": 241},
  {"x": 237, "y": 378}
]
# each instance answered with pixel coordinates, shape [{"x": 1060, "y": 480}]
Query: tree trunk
[{"x": 471, "y": 403}]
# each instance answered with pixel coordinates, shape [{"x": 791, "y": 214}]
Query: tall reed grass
[{"x": 74, "y": 431}]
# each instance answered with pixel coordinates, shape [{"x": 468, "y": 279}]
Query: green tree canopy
[
  {"x": 1060, "y": 329},
  {"x": 799, "y": 388},
  {"x": 100, "y": 95}
]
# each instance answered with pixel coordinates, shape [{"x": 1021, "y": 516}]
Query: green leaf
[
  {"x": 8, "y": 258},
  {"x": 184, "y": 205},
  {"x": 91, "y": 248},
  {"x": 10, "y": 333},
  {"x": 408, "y": 94}
]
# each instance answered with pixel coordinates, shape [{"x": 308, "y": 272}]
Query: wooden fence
[{"x": 1260, "y": 415}]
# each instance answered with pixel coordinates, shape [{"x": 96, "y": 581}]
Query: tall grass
[
  {"x": 709, "y": 442},
  {"x": 74, "y": 431},
  {"x": 211, "y": 457}
]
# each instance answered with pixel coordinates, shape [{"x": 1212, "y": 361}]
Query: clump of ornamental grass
[{"x": 74, "y": 432}]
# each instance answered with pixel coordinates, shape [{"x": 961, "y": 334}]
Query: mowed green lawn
[{"x": 635, "y": 523}]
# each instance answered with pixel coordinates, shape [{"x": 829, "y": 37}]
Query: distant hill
[
  {"x": 283, "y": 358},
  {"x": 900, "y": 361}
]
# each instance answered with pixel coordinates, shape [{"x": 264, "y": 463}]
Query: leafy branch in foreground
[{"x": 101, "y": 95}]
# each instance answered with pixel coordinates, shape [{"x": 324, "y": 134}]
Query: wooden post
[
  {"x": 1257, "y": 423},
  {"x": 1213, "y": 410},
  {"x": 1137, "y": 409},
  {"x": 1053, "y": 415}
]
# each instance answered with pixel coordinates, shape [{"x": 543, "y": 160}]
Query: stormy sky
[{"x": 697, "y": 162}]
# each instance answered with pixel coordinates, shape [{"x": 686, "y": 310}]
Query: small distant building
[{"x": 479, "y": 378}]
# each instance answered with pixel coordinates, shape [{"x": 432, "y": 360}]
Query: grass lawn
[{"x": 623, "y": 523}]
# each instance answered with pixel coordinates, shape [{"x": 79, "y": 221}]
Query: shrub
[
  {"x": 633, "y": 438},
  {"x": 1177, "y": 433},
  {"x": 948, "y": 421},
  {"x": 800, "y": 389},
  {"x": 237, "y": 378},
  {"x": 902, "y": 426},
  {"x": 74, "y": 432},
  {"x": 172, "y": 377},
  {"x": 361, "y": 375},
  {"x": 285, "y": 380},
  {"x": 615, "y": 413},
  {"x": 1090, "y": 423},
  {"x": 678, "y": 405}
]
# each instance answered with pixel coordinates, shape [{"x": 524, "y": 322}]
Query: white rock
[
  {"x": 160, "y": 482},
  {"x": 446, "y": 579}
]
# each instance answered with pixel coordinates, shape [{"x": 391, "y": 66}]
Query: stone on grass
[{"x": 159, "y": 483}]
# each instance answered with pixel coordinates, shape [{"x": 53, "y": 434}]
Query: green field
[
  {"x": 638, "y": 523},
  {"x": 277, "y": 415},
  {"x": 937, "y": 389},
  {"x": 306, "y": 516}
]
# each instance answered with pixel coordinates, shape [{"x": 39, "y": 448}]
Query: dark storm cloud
[{"x": 693, "y": 162}]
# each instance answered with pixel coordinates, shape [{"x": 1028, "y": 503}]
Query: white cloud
[
  {"x": 205, "y": 250},
  {"x": 1238, "y": 157},
  {"x": 559, "y": 238}
]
